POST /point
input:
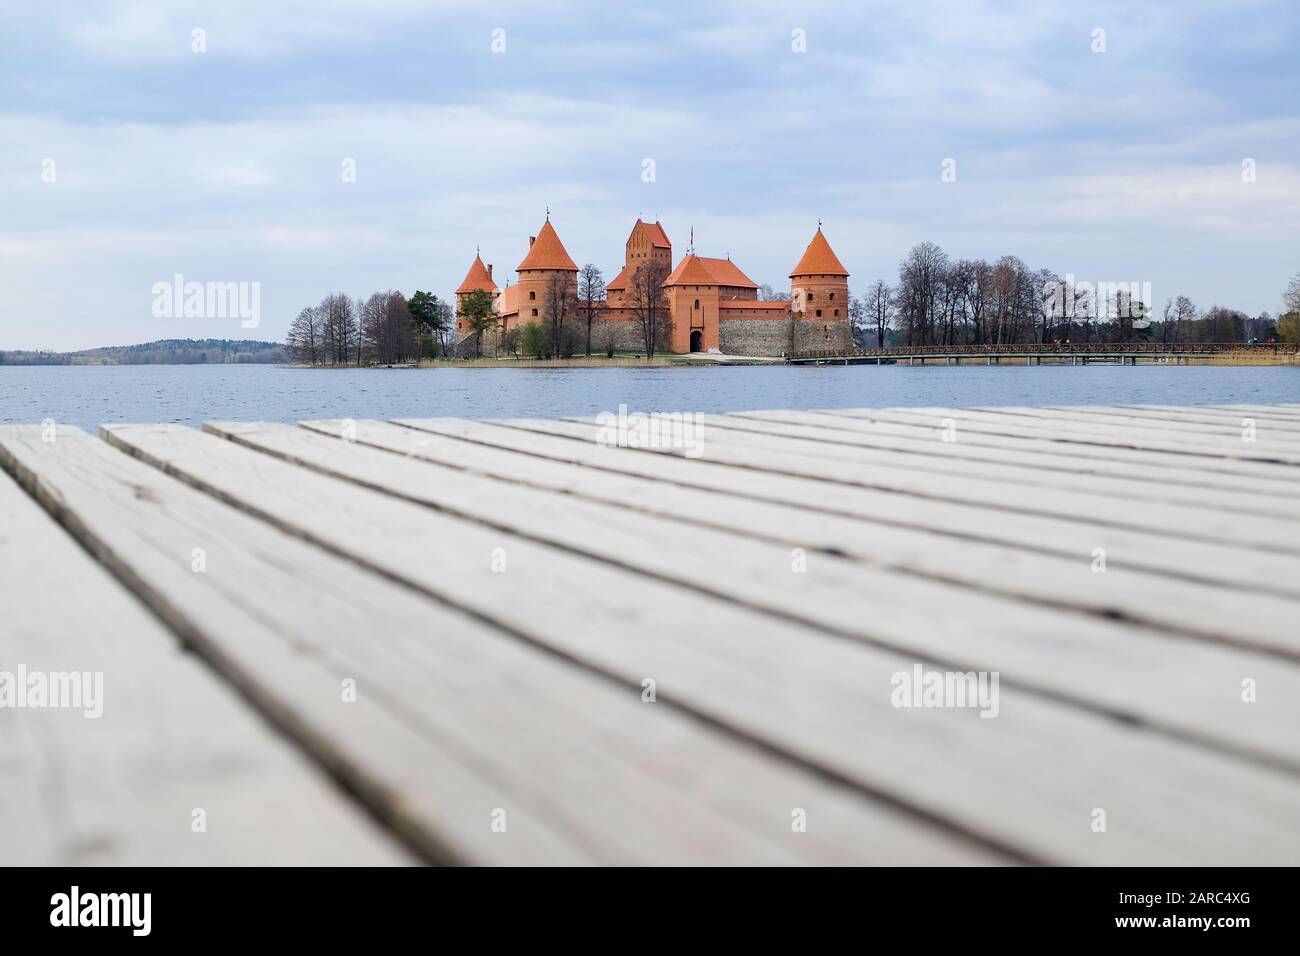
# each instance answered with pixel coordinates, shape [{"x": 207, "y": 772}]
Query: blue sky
[{"x": 225, "y": 165}]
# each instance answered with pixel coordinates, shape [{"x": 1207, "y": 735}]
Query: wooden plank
[
  {"x": 1151, "y": 468},
  {"x": 861, "y": 467},
  {"x": 953, "y": 458},
  {"x": 1268, "y": 449},
  {"x": 453, "y": 718},
  {"x": 1213, "y": 565},
  {"x": 1114, "y": 667},
  {"x": 1028, "y": 779},
  {"x": 1181, "y": 428},
  {"x": 1207, "y": 414},
  {"x": 978, "y": 428},
  {"x": 1284, "y": 411},
  {"x": 122, "y": 788}
]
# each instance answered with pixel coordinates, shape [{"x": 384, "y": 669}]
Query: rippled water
[{"x": 89, "y": 396}]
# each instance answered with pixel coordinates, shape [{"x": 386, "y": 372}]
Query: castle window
[
  {"x": 837, "y": 311},
  {"x": 535, "y": 312},
  {"x": 819, "y": 313},
  {"x": 532, "y": 295},
  {"x": 697, "y": 303},
  {"x": 810, "y": 296},
  {"x": 832, "y": 295}
]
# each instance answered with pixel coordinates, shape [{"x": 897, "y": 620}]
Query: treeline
[
  {"x": 385, "y": 328},
  {"x": 938, "y": 300},
  {"x": 161, "y": 352}
]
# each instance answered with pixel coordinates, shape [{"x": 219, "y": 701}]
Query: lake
[{"x": 90, "y": 395}]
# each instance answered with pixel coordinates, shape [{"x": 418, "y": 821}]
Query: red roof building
[{"x": 697, "y": 296}]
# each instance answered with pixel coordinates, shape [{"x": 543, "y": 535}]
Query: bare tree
[
  {"x": 558, "y": 307},
  {"x": 512, "y": 340},
  {"x": 880, "y": 310},
  {"x": 1223, "y": 325},
  {"x": 305, "y": 338},
  {"x": 1184, "y": 316},
  {"x": 857, "y": 321},
  {"x": 389, "y": 331},
  {"x": 767, "y": 294},
  {"x": 920, "y": 279},
  {"x": 648, "y": 305},
  {"x": 591, "y": 292},
  {"x": 342, "y": 337},
  {"x": 1292, "y": 295}
]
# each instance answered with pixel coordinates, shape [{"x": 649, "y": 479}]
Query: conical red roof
[
  {"x": 547, "y": 252},
  {"x": 477, "y": 278},
  {"x": 819, "y": 259}
]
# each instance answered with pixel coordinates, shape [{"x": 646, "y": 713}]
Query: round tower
[
  {"x": 478, "y": 279},
  {"x": 546, "y": 260},
  {"x": 819, "y": 284}
]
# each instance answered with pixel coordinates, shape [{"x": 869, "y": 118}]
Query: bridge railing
[{"x": 1043, "y": 348}]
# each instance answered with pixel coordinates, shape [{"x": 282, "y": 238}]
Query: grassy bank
[{"x": 619, "y": 360}]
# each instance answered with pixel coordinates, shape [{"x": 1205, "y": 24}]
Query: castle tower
[
  {"x": 819, "y": 284},
  {"x": 698, "y": 291},
  {"x": 546, "y": 259},
  {"x": 479, "y": 278},
  {"x": 646, "y": 243}
]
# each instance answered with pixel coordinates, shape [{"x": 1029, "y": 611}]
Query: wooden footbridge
[
  {"x": 1033, "y": 353},
  {"x": 503, "y": 642}
]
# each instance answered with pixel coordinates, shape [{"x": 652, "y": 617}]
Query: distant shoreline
[{"x": 157, "y": 352}]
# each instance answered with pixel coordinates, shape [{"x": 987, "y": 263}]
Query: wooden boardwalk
[{"x": 514, "y": 642}]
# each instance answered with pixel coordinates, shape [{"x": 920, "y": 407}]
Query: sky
[{"x": 1155, "y": 142}]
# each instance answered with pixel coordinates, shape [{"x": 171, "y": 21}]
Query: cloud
[{"x": 228, "y": 164}]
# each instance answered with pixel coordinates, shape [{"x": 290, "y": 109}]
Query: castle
[{"x": 708, "y": 304}]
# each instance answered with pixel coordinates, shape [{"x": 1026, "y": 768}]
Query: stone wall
[
  {"x": 626, "y": 334},
  {"x": 767, "y": 337},
  {"x": 772, "y": 337},
  {"x": 754, "y": 336}
]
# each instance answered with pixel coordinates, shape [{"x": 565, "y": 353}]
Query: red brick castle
[{"x": 706, "y": 304}]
